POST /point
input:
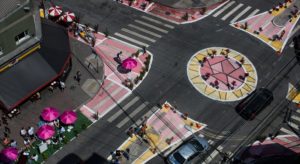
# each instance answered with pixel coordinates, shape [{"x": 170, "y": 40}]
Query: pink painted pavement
[{"x": 107, "y": 49}]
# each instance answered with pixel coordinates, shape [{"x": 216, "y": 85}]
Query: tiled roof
[{"x": 7, "y": 6}]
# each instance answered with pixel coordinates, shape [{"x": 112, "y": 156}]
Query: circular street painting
[{"x": 222, "y": 74}]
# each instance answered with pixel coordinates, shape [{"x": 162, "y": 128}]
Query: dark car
[{"x": 252, "y": 105}]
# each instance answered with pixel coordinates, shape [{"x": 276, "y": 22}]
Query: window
[
  {"x": 1, "y": 51},
  {"x": 22, "y": 37}
]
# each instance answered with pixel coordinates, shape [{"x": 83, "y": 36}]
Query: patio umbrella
[
  {"x": 10, "y": 153},
  {"x": 68, "y": 117},
  {"x": 45, "y": 132},
  {"x": 68, "y": 17},
  {"x": 129, "y": 63},
  {"x": 55, "y": 11},
  {"x": 50, "y": 114}
]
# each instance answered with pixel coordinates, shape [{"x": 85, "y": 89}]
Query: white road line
[
  {"x": 138, "y": 35},
  {"x": 213, "y": 154},
  {"x": 144, "y": 30},
  {"x": 298, "y": 111},
  {"x": 127, "y": 106},
  {"x": 151, "y": 26},
  {"x": 131, "y": 115},
  {"x": 148, "y": 114},
  {"x": 158, "y": 22},
  {"x": 132, "y": 40},
  {"x": 113, "y": 93},
  {"x": 232, "y": 11},
  {"x": 293, "y": 125},
  {"x": 89, "y": 109},
  {"x": 240, "y": 14},
  {"x": 210, "y": 142},
  {"x": 253, "y": 13},
  {"x": 295, "y": 118},
  {"x": 223, "y": 9},
  {"x": 284, "y": 130}
]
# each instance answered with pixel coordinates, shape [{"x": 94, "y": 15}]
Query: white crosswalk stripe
[
  {"x": 240, "y": 14},
  {"x": 232, "y": 11},
  {"x": 223, "y": 8},
  {"x": 237, "y": 11},
  {"x": 144, "y": 31},
  {"x": 293, "y": 124}
]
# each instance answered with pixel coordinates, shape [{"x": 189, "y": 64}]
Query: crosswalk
[
  {"x": 132, "y": 111},
  {"x": 144, "y": 31},
  {"x": 294, "y": 123},
  {"x": 234, "y": 12}
]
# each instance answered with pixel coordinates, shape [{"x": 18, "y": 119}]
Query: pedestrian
[
  {"x": 35, "y": 157},
  {"x": 118, "y": 55},
  {"x": 125, "y": 154},
  {"x": 38, "y": 96},
  {"x": 51, "y": 89},
  {"x": 31, "y": 132},
  {"x": 5, "y": 141},
  {"x": 27, "y": 142},
  {"x": 62, "y": 86},
  {"x": 13, "y": 143},
  {"x": 6, "y": 129},
  {"x": 23, "y": 132},
  {"x": 77, "y": 78}
]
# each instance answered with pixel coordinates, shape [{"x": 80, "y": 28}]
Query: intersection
[{"x": 199, "y": 68}]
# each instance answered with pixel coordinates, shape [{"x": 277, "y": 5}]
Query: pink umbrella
[
  {"x": 55, "y": 11},
  {"x": 10, "y": 153},
  {"x": 50, "y": 114},
  {"x": 68, "y": 117},
  {"x": 129, "y": 63},
  {"x": 68, "y": 17},
  {"x": 45, "y": 132}
]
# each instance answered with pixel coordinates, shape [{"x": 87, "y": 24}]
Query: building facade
[{"x": 20, "y": 30}]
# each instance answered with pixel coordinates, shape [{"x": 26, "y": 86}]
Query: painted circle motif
[{"x": 222, "y": 74}]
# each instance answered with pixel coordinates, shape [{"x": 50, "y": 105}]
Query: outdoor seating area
[{"x": 54, "y": 131}]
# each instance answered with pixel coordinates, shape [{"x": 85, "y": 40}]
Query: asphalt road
[{"x": 167, "y": 80}]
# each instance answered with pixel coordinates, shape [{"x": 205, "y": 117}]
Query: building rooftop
[{"x": 7, "y": 6}]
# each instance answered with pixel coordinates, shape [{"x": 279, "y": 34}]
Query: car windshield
[
  {"x": 179, "y": 157},
  {"x": 197, "y": 145}
]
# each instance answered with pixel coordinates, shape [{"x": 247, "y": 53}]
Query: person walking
[
  {"x": 23, "y": 132},
  {"x": 77, "y": 77},
  {"x": 13, "y": 143},
  {"x": 31, "y": 132},
  {"x": 62, "y": 86}
]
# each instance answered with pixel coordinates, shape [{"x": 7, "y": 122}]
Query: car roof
[{"x": 187, "y": 150}]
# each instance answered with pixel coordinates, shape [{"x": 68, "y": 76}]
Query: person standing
[
  {"x": 62, "y": 86},
  {"x": 23, "y": 132}
]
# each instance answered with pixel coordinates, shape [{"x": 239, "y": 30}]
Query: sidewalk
[
  {"x": 273, "y": 27},
  {"x": 114, "y": 87},
  {"x": 164, "y": 129},
  {"x": 184, "y": 14}
]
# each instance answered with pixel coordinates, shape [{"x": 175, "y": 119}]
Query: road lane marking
[
  {"x": 144, "y": 30},
  {"x": 284, "y": 130},
  {"x": 131, "y": 39},
  {"x": 232, "y": 11},
  {"x": 127, "y": 106},
  {"x": 240, "y": 14},
  {"x": 138, "y": 35},
  {"x": 223, "y": 9},
  {"x": 131, "y": 115},
  {"x": 115, "y": 92},
  {"x": 295, "y": 118},
  {"x": 151, "y": 26},
  {"x": 158, "y": 22},
  {"x": 253, "y": 13}
]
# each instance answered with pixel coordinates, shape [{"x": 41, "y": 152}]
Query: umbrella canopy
[
  {"x": 129, "y": 63},
  {"x": 50, "y": 114},
  {"x": 68, "y": 17},
  {"x": 45, "y": 132},
  {"x": 10, "y": 153},
  {"x": 68, "y": 117},
  {"x": 55, "y": 11}
]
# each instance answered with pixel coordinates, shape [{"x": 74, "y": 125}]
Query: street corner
[
  {"x": 165, "y": 128},
  {"x": 273, "y": 27},
  {"x": 222, "y": 74}
]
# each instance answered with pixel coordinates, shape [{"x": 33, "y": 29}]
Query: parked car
[
  {"x": 188, "y": 151},
  {"x": 252, "y": 105}
]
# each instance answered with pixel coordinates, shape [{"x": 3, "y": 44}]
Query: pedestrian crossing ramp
[
  {"x": 144, "y": 31},
  {"x": 234, "y": 11}
]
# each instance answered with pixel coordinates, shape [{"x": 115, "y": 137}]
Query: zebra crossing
[
  {"x": 294, "y": 123},
  {"x": 144, "y": 31},
  {"x": 132, "y": 111},
  {"x": 234, "y": 12}
]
